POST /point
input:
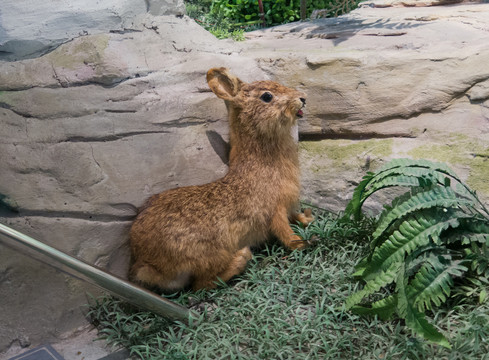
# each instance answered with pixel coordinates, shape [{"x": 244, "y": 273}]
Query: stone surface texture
[
  {"x": 385, "y": 82},
  {"x": 95, "y": 120},
  {"x": 29, "y": 28}
]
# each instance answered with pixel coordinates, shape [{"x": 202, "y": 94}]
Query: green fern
[
  {"x": 434, "y": 233},
  {"x": 406, "y": 172},
  {"x": 383, "y": 308},
  {"x": 442, "y": 197},
  {"x": 433, "y": 282}
]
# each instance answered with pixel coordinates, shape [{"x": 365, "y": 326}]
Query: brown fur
[{"x": 194, "y": 235}]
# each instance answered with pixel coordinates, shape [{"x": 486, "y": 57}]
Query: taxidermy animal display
[{"x": 191, "y": 236}]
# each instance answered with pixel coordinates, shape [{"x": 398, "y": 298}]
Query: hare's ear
[{"x": 225, "y": 85}]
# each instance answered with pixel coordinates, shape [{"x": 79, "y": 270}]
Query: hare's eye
[{"x": 266, "y": 97}]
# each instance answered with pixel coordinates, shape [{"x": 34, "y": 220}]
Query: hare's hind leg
[
  {"x": 147, "y": 275},
  {"x": 235, "y": 267}
]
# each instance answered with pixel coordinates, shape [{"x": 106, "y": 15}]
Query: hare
[{"x": 191, "y": 236}]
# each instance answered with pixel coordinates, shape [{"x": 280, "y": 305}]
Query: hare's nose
[{"x": 303, "y": 101}]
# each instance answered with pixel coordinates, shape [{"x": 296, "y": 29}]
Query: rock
[
  {"x": 90, "y": 131},
  {"x": 385, "y": 83},
  {"x": 31, "y": 28}
]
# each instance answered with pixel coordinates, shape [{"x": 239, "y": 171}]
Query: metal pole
[{"x": 119, "y": 287}]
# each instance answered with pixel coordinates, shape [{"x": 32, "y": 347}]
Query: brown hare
[{"x": 191, "y": 236}]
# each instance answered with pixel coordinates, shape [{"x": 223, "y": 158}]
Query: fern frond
[
  {"x": 383, "y": 308},
  {"x": 354, "y": 206},
  {"x": 382, "y": 279},
  {"x": 391, "y": 181},
  {"x": 479, "y": 258},
  {"x": 425, "y": 239},
  {"x": 430, "y": 253},
  {"x": 471, "y": 230},
  {"x": 432, "y": 283},
  {"x": 410, "y": 173},
  {"x": 414, "y": 319},
  {"x": 425, "y": 172},
  {"x": 417, "y": 322},
  {"x": 439, "y": 196},
  {"x": 360, "y": 267},
  {"x": 476, "y": 226},
  {"x": 414, "y": 232}
]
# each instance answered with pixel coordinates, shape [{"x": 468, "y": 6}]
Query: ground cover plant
[
  {"x": 430, "y": 245},
  {"x": 291, "y": 305}
]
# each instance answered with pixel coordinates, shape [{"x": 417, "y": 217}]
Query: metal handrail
[{"x": 121, "y": 288}]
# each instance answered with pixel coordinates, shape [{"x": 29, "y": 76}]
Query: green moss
[
  {"x": 444, "y": 153},
  {"x": 479, "y": 174},
  {"x": 345, "y": 153},
  {"x": 460, "y": 150}
]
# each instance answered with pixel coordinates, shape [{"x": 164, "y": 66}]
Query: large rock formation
[
  {"x": 92, "y": 128},
  {"x": 88, "y": 132},
  {"x": 385, "y": 82}
]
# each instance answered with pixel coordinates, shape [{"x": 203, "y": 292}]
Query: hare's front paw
[{"x": 297, "y": 243}]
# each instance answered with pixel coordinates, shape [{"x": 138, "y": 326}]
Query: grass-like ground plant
[
  {"x": 291, "y": 305},
  {"x": 429, "y": 246}
]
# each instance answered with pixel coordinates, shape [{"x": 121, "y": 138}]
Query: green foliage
[
  {"x": 222, "y": 33},
  {"x": 196, "y": 8},
  {"x": 286, "y": 305},
  {"x": 290, "y": 305},
  {"x": 246, "y": 12},
  {"x": 223, "y": 17},
  {"x": 430, "y": 245},
  {"x": 216, "y": 23}
]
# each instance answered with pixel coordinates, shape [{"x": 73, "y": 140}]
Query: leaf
[
  {"x": 431, "y": 253},
  {"x": 406, "y": 172},
  {"x": 383, "y": 308},
  {"x": 360, "y": 268},
  {"x": 402, "y": 299},
  {"x": 414, "y": 319},
  {"x": 434, "y": 197},
  {"x": 382, "y": 279},
  {"x": 432, "y": 283},
  {"x": 427, "y": 237},
  {"x": 420, "y": 163},
  {"x": 417, "y": 322},
  {"x": 391, "y": 181},
  {"x": 476, "y": 226},
  {"x": 425, "y": 174},
  {"x": 413, "y": 233},
  {"x": 482, "y": 296},
  {"x": 355, "y": 204}
]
